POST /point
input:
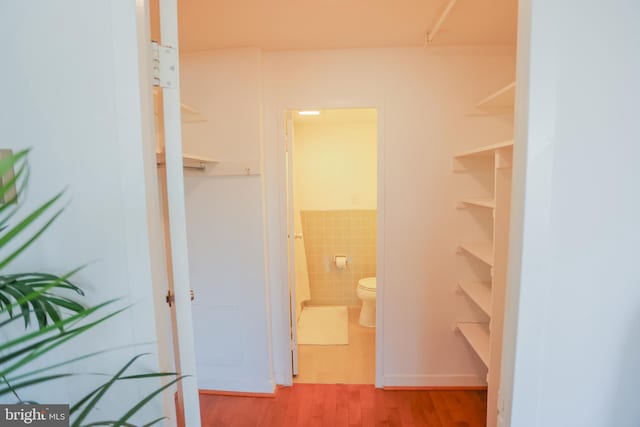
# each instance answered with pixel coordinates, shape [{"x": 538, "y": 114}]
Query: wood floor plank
[
  {"x": 367, "y": 399},
  {"x": 429, "y": 410},
  {"x": 330, "y": 405},
  {"x": 342, "y": 406},
  {"x": 355, "y": 408},
  {"x": 442, "y": 410}
]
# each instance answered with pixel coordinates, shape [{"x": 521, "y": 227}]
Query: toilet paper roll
[{"x": 341, "y": 262}]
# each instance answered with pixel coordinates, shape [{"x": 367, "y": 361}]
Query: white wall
[
  {"x": 576, "y": 231},
  {"x": 335, "y": 166},
  {"x": 423, "y": 97},
  {"x": 78, "y": 105},
  {"x": 225, "y": 222}
]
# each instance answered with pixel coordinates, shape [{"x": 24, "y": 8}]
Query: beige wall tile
[{"x": 341, "y": 232}]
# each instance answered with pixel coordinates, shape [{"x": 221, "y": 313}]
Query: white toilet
[{"x": 367, "y": 293}]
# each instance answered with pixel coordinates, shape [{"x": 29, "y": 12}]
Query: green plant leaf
[
  {"x": 41, "y": 332},
  {"x": 7, "y": 163},
  {"x": 20, "y": 302},
  {"x": 13, "y": 387},
  {"x": 102, "y": 391},
  {"x": 23, "y": 225},
  {"x": 107, "y": 423},
  {"x": 35, "y": 290},
  {"x": 131, "y": 412},
  {"x": 70, "y": 361},
  {"x": 32, "y": 297},
  {"x": 42, "y": 347},
  {"x": 6, "y": 305},
  {"x": 154, "y": 422}
]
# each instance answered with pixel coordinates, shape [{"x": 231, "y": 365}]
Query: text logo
[{"x": 34, "y": 415}]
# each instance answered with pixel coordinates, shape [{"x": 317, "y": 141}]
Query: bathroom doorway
[{"x": 332, "y": 205}]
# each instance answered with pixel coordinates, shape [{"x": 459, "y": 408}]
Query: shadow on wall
[{"x": 339, "y": 232}]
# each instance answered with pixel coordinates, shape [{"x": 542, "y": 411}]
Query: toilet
[{"x": 367, "y": 293}]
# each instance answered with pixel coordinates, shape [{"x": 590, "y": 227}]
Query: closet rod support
[{"x": 432, "y": 34}]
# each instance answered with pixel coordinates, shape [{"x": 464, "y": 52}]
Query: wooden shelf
[
  {"x": 191, "y": 115},
  {"x": 500, "y": 102},
  {"x": 189, "y": 161},
  {"x": 479, "y": 293},
  {"x": 485, "y": 151},
  {"x": 477, "y": 335},
  {"x": 482, "y": 251},
  {"x": 483, "y": 203}
]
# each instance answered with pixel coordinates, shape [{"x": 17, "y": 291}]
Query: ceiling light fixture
[{"x": 308, "y": 113}]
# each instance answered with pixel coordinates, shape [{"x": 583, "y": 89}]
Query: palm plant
[{"x": 47, "y": 307}]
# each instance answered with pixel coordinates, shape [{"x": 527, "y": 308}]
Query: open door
[
  {"x": 291, "y": 236},
  {"x": 164, "y": 23}
]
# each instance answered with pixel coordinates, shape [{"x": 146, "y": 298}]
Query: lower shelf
[{"x": 477, "y": 334}]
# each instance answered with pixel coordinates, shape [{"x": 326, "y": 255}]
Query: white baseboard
[
  {"x": 433, "y": 381},
  {"x": 240, "y": 386}
]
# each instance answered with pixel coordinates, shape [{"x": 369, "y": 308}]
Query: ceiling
[
  {"x": 339, "y": 116},
  {"x": 337, "y": 24}
]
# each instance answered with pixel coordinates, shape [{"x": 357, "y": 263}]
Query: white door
[
  {"x": 291, "y": 234},
  {"x": 182, "y": 325}
]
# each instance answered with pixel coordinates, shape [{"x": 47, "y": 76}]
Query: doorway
[{"x": 332, "y": 205}]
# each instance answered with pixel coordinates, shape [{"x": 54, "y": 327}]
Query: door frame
[
  {"x": 380, "y": 236},
  {"x": 291, "y": 240},
  {"x": 182, "y": 337}
]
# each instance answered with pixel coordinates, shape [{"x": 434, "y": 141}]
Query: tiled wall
[{"x": 338, "y": 232}]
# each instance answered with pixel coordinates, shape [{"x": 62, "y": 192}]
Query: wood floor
[
  {"x": 309, "y": 405},
  {"x": 354, "y": 363}
]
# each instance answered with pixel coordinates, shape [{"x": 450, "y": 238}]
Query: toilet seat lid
[{"x": 368, "y": 283}]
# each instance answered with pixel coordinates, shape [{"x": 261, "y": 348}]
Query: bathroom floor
[{"x": 340, "y": 364}]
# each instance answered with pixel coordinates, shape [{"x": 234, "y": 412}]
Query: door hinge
[
  {"x": 165, "y": 65},
  {"x": 170, "y": 298}
]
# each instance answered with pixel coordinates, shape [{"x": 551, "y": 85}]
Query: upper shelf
[
  {"x": 487, "y": 150},
  {"x": 191, "y": 115},
  {"x": 189, "y": 161},
  {"x": 500, "y": 102}
]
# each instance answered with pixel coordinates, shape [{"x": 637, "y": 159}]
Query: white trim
[
  {"x": 154, "y": 230},
  {"x": 283, "y": 370},
  {"x": 237, "y": 385},
  {"x": 380, "y": 254},
  {"x": 517, "y": 221},
  {"x": 184, "y": 334},
  {"x": 434, "y": 381}
]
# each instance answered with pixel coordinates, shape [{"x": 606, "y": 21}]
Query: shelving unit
[
  {"x": 478, "y": 337},
  {"x": 479, "y": 293},
  {"x": 189, "y": 161},
  {"x": 485, "y": 339},
  {"x": 191, "y": 115},
  {"x": 480, "y": 203},
  {"x": 501, "y": 101},
  {"x": 482, "y": 251},
  {"x": 486, "y": 151}
]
